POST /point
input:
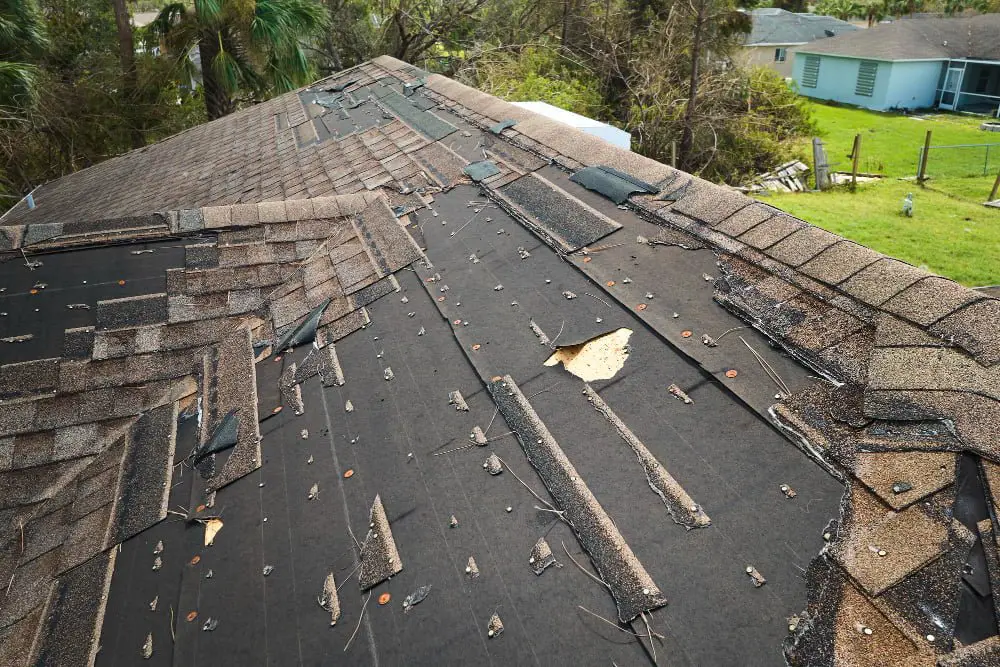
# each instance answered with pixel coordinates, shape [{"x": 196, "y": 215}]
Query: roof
[
  {"x": 390, "y": 370},
  {"x": 972, "y": 37},
  {"x": 772, "y": 25}
]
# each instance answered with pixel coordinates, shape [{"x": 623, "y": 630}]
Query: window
[
  {"x": 867, "y": 71},
  {"x": 810, "y": 72},
  {"x": 779, "y": 55}
]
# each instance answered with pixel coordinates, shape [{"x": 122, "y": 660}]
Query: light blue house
[{"x": 948, "y": 63}]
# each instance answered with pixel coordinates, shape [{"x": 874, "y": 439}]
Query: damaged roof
[{"x": 389, "y": 370}]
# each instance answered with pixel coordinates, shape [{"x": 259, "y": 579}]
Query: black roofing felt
[{"x": 443, "y": 299}]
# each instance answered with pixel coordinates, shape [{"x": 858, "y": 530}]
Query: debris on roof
[{"x": 267, "y": 289}]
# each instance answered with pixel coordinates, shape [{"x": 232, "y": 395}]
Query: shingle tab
[
  {"x": 802, "y": 245},
  {"x": 839, "y": 262},
  {"x": 745, "y": 219},
  {"x": 930, "y": 299},
  {"x": 975, "y": 328},
  {"x": 771, "y": 231}
]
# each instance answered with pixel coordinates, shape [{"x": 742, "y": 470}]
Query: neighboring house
[
  {"x": 319, "y": 322},
  {"x": 776, "y": 31},
  {"x": 950, "y": 63}
]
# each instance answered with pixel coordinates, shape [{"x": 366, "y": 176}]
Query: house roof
[
  {"x": 442, "y": 381},
  {"x": 972, "y": 37},
  {"x": 772, "y": 25}
]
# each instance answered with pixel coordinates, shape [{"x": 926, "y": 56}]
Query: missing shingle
[{"x": 598, "y": 358}]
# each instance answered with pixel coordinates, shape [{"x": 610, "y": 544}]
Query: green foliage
[
  {"x": 22, "y": 36},
  {"x": 79, "y": 116},
  {"x": 251, "y": 49},
  {"x": 539, "y": 73}
]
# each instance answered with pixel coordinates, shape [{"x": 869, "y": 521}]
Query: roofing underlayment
[{"x": 275, "y": 391}]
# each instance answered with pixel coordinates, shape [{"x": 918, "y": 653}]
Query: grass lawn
[{"x": 951, "y": 233}]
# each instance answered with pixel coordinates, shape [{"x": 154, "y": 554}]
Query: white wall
[
  {"x": 913, "y": 85},
  {"x": 899, "y": 84},
  {"x": 837, "y": 79}
]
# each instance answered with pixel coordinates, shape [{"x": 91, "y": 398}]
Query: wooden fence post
[
  {"x": 996, "y": 187},
  {"x": 855, "y": 154},
  {"x": 922, "y": 171}
]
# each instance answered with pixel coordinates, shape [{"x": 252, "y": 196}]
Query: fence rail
[{"x": 961, "y": 160}]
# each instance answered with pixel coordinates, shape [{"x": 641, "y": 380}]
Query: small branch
[
  {"x": 360, "y": 618},
  {"x": 595, "y": 578}
]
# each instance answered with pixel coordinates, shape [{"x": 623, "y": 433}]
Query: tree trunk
[
  {"x": 130, "y": 82},
  {"x": 687, "y": 135},
  {"x": 218, "y": 103}
]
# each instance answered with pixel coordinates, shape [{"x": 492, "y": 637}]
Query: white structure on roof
[{"x": 609, "y": 133}]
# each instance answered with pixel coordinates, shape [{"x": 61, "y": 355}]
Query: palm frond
[{"x": 17, "y": 85}]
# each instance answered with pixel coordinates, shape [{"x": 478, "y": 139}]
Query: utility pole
[{"x": 922, "y": 170}]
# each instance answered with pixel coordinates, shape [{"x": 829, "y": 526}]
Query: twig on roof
[
  {"x": 543, "y": 391},
  {"x": 9, "y": 584},
  {"x": 599, "y": 299},
  {"x": 615, "y": 625},
  {"x": 540, "y": 499},
  {"x": 582, "y": 569},
  {"x": 553, "y": 343},
  {"x": 173, "y": 637},
  {"x": 456, "y": 449},
  {"x": 349, "y": 575},
  {"x": 495, "y": 413},
  {"x": 652, "y": 647},
  {"x": 782, "y": 387},
  {"x": 729, "y": 331},
  {"x": 360, "y": 618}
]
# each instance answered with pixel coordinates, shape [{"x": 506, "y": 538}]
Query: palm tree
[
  {"x": 841, "y": 9},
  {"x": 253, "y": 46},
  {"x": 22, "y": 36}
]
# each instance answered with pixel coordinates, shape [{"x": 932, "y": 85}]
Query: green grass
[{"x": 951, "y": 232}]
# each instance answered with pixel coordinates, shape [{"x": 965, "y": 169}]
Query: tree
[
  {"x": 126, "y": 50},
  {"x": 252, "y": 48},
  {"x": 715, "y": 23},
  {"x": 22, "y": 38},
  {"x": 841, "y": 9}
]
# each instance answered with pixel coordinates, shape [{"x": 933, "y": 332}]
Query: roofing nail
[
  {"x": 210, "y": 624},
  {"x": 268, "y": 569},
  {"x": 157, "y": 563},
  {"x": 309, "y": 460},
  {"x": 497, "y": 288},
  {"x": 404, "y": 300},
  {"x": 453, "y": 522},
  {"x": 569, "y": 295},
  {"x": 147, "y": 647},
  {"x": 158, "y": 549},
  {"x": 788, "y": 491},
  {"x": 388, "y": 374},
  {"x": 152, "y": 604},
  {"x": 627, "y": 280}
]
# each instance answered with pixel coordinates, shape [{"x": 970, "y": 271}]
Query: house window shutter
[
  {"x": 867, "y": 71},
  {"x": 810, "y": 72}
]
